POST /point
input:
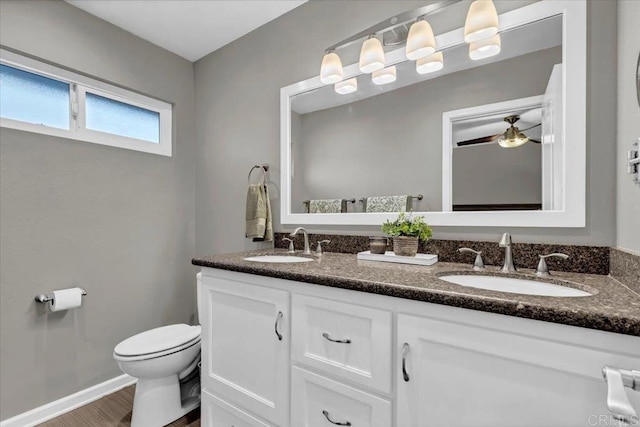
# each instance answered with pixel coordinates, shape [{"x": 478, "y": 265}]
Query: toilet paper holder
[{"x": 44, "y": 298}]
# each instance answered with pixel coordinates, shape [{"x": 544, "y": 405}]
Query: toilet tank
[{"x": 199, "y": 296}]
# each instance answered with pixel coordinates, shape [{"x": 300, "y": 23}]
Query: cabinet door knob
[
  {"x": 344, "y": 341},
  {"x": 278, "y": 334},
  {"x": 336, "y": 423},
  {"x": 405, "y": 352}
]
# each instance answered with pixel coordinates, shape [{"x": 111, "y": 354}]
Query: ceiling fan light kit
[{"x": 481, "y": 32}]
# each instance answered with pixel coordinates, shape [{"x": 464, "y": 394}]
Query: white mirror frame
[{"x": 574, "y": 54}]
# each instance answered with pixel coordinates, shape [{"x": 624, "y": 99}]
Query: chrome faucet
[
  {"x": 306, "y": 251},
  {"x": 505, "y": 243}
]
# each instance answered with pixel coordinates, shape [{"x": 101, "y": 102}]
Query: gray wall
[
  {"x": 246, "y": 76},
  {"x": 117, "y": 222},
  {"x": 392, "y": 143},
  {"x": 628, "y": 194}
]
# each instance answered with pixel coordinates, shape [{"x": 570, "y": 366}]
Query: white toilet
[{"x": 165, "y": 362}]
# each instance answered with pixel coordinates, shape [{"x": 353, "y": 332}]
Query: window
[{"x": 41, "y": 98}]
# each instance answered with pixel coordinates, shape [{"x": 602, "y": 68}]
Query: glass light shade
[
  {"x": 384, "y": 76},
  {"x": 482, "y": 21},
  {"x": 430, "y": 64},
  {"x": 346, "y": 86},
  {"x": 485, "y": 48},
  {"x": 421, "y": 42},
  {"x": 513, "y": 138},
  {"x": 371, "y": 56},
  {"x": 331, "y": 68}
]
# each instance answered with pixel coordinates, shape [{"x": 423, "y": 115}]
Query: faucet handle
[
  {"x": 319, "y": 250},
  {"x": 543, "y": 269},
  {"x": 478, "y": 264},
  {"x": 292, "y": 248}
]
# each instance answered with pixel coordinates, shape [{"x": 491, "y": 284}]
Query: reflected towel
[
  {"x": 328, "y": 206},
  {"x": 258, "y": 223},
  {"x": 388, "y": 204}
]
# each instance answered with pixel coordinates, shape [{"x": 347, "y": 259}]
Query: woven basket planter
[{"x": 405, "y": 246}]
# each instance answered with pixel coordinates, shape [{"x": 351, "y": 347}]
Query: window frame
[{"x": 79, "y": 85}]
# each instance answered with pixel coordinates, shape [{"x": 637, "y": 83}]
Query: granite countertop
[{"x": 612, "y": 307}]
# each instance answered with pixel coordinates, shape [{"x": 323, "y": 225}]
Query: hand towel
[
  {"x": 258, "y": 223},
  {"x": 328, "y": 206},
  {"x": 388, "y": 204}
]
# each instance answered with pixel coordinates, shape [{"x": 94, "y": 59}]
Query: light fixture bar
[{"x": 395, "y": 21}]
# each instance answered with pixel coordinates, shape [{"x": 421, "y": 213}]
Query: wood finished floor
[{"x": 112, "y": 410}]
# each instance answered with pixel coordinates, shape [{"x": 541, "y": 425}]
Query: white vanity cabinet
[
  {"x": 245, "y": 347},
  {"x": 459, "y": 374},
  {"x": 376, "y": 361}
]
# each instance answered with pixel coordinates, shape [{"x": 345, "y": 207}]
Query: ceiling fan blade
[
  {"x": 482, "y": 140},
  {"x": 535, "y": 140},
  {"x": 530, "y": 127}
]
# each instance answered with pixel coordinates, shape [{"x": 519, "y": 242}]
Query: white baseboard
[{"x": 68, "y": 403}]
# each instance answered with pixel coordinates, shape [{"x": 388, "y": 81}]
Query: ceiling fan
[{"x": 511, "y": 138}]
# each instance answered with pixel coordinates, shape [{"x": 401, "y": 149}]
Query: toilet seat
[{"x": 157, "y": 342}]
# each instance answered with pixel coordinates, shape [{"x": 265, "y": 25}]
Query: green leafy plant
[{"x": 408, "y": 226}]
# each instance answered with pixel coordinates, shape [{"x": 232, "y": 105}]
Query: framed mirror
[{"x": 448, "y": 144}]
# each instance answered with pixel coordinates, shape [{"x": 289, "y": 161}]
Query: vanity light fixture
[
  {"x": 331, "y": 68},
  {"x": 371, "y": 55},
  {"x": 430, "y": 64},
  {"x": 481, "y": 22},
  {"x": 481, "y": 31},
  {"x": 346, "y": 87},
  {"x": 384, "y": 76},
  {"x": 512, "y": 137},
  {"x": 485, "y": 48},
  {"x": 420, "y": 42}
]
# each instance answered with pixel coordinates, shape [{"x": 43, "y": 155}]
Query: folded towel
[
  {"x": 388, "y": 204},
  {"x": 328, "y": 206},
  {"x": 258, "y": 223}
]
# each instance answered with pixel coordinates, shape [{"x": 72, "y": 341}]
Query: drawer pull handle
[
  {"x": 337, "y": 423},
  {"x": 405, "y": 352},
  {"x": 278, "y": 334},
  {"x": 327, "y": 337}
]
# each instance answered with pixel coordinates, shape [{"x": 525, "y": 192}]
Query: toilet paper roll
[{"x": 65, "y": 299}]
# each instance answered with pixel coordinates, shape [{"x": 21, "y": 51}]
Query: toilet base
[{"x": 157, "y": 402}]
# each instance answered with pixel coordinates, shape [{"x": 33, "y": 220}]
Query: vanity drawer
[
  {"x": 346, "y": 340},
  {"x": 218, "y": 413},
  {"x": 317, "y": 401}
]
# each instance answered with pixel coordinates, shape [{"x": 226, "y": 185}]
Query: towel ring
[{"x": 264, "y": 169}]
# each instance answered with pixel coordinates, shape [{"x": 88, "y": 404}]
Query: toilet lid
[{"x": 158, "y": 339}]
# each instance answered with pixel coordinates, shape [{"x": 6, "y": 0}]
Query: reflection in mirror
[
  {"x": 387, "y": 141},
  {"x": 497, "y": 157}
]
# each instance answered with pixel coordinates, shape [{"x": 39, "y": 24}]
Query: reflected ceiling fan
[{"x": 511, "y": 138}]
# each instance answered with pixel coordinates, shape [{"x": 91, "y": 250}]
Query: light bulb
[
  {"x": 485, "y": 48},
  {"x": 430, "y": 64},
  {"x": 421, "y": 41},
  {"x": 371, "y": 56},
  {"x": 482, "y": 21},
  {"x": 346, "y": 86},
  {"x": 384, "y": 76},
  {"x": 331, "y": 68}
]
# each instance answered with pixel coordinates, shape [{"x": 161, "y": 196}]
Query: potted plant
[{"x": 406, "y": 232}]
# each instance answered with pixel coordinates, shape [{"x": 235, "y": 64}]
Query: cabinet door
[
  {"x": 463, "y": 375},
  {"x": 218, "y": 413},
  {"x": 245, "y": 346}
]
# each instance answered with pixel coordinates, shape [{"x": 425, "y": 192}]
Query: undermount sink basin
[
  {"x": 514, "y": 286},
  {"x": 278, "y": 259}
]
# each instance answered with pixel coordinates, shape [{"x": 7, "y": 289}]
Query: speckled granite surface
[
  {"x": 612, "y": 307},
  {"x": 582, "y": 259},
  {"x": 625, "y": 267}
]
